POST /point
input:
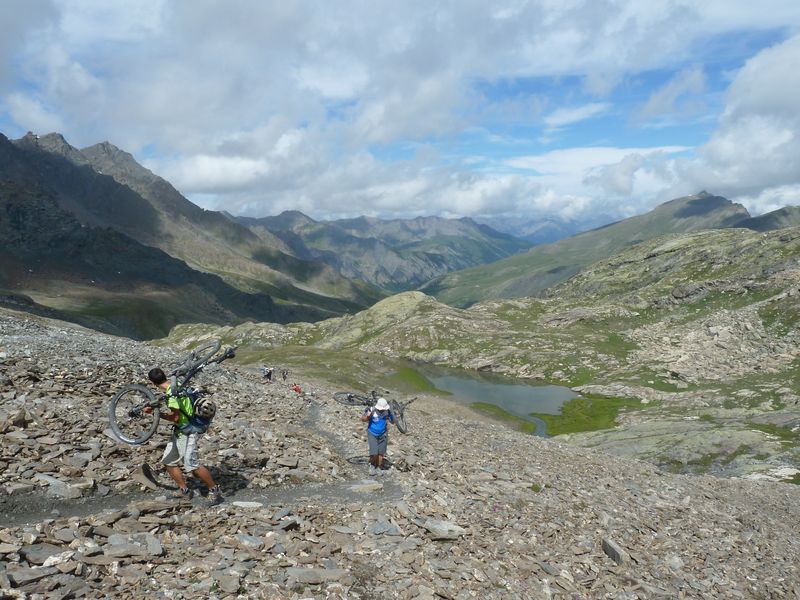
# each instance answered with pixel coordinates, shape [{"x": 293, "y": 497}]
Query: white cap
[{"x": 382, "y": 404}]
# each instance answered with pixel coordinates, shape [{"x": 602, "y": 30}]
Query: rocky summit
[{"x": 467, "y": 509}]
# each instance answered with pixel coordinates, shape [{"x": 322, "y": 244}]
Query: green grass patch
[
  {"x": 408, "y": 380},
  {"x": 586, "y": 414},
  {"x": 740, "y": 451},
  {"x": 702, "y": 463},
  {"x": 506, "y": 417},
  {"x": 783, "y": 433},
  {"x": 780, "y": 317},
  {"x": 795, "y": 479}
]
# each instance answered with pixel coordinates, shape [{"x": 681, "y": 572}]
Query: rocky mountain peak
[
  {"x": 54, "y": 143},
  {"x": 106, "y": 157},
  {"x": 289, "y": 219}
]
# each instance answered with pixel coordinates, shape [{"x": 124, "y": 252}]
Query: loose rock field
[{"x": 469, "y": 509}]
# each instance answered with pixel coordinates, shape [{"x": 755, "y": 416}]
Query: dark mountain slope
[
  {"x": 103, "y": 279},
  {"x": 788, "y": 216},
  {"x": 103, "y": 186}
]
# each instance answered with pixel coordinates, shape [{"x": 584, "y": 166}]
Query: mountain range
[
  {"x": 531, "y": 273},
  {"x": 54, "y": 198},
  {"x": 393, "y": 255}
]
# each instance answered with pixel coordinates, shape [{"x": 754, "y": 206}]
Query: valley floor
[{"x": 470, "y": 509}]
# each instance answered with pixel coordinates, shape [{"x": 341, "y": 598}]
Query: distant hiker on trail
[
  {"x": 285, "y": 374},
  {"x": 182, "y": 447},
  {"x": 268, "y": 374},
  {"x": 378, "y": 417},
  {"x": 296, "y": 388}
]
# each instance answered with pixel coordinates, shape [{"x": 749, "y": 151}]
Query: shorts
[
  {"x": 377, "y": 443},
  {"x": 182, "y": 449}
]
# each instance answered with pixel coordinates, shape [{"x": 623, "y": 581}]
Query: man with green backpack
[{"x": 190, "y": 421}]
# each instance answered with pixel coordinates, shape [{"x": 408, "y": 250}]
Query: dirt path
[{"x": 35, "y": 507}]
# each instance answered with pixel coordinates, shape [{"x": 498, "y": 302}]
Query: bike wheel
[
  {"x": 127, "y": 418},
  {"x": 197, "y": 356},
  {"x": 203, "y": 352},
  {"x": 350, "y": 399},
  {"x": 399, "y": 416}
]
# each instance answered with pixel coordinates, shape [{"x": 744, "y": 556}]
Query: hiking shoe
[
  {"x": 373, "y": 470},
  {"x": 182, "y": 494},
  {"x": 214, "y": 497}
]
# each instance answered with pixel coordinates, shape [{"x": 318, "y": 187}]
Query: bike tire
[
  {"x": 350, "y": 399},
  {"x": 128, "y": 421},
  {"x": 197, "y": 356},
  {"x": 399, "y": 416},
  {"x": 204, "y": 351}
]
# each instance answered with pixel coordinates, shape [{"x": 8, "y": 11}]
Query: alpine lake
[{"x": 530, "y": 407}]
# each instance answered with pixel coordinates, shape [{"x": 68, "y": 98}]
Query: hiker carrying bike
[
  {"x": 378, "y": 417},
  {"x": 182, "y": 447}
]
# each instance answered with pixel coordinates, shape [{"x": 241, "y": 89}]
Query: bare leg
[
  {"x": 177, "y": 476},
  {"x": 205, "y": 476}
]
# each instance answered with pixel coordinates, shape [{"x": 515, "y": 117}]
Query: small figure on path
[
  {"x": 182, "y": 447},
  {"x": 378, "y": 417},
  {"x": 296, "y": 388},
  {"x": 268, "y": 374}
]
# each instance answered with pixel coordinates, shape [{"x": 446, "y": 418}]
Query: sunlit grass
[{"x": 586, "y": 414}]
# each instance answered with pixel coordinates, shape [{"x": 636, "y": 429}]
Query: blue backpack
[{"x": 200, "y": 406}]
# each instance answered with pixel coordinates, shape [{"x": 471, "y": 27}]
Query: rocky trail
[{"x": 469, "y": 510}]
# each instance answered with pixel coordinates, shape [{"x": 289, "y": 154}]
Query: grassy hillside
[{"x": 531, "y": 273}]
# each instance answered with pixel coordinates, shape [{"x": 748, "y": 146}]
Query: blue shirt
[{"x": 377, "y": 421}]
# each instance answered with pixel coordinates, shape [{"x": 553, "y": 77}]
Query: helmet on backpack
[{"x": 206, "y": 410}]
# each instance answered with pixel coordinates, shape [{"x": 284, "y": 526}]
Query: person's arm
[
  {"x": 171, "y": 415},
  {"x": 367, "y": 414},
  {"x": 391, "y": 417}
]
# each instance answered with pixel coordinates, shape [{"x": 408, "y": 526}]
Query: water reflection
[{"x": 519, "y": 399}]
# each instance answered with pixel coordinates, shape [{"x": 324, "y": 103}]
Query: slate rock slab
[
  {"x": 443, "y": 530},
  {"x": 23, "y": 576}
]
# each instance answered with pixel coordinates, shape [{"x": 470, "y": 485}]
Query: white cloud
[
  {"x": 579, "y": 161},
  {"x": 90, "y": 20},
  {"x": 753, "y": 157},
  {"x": 30, "y": 111},
  {"x": 618, "y": 178},
  {"x": 567, "y": 116},
  {"x": 665, "y": 101},
  {"x": 20, "y": 20},
  {"x": 343, "y": 81},
  {"x": 772, "y": 199},
  {"x": 215, "y": 174},
  {"x": 260, "y": 106},
  {"x": 757, "y": 144}
]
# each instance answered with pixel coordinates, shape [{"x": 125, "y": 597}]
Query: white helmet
[{"x": 207, "y": 410}]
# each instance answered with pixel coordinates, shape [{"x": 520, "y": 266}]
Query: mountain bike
[
  {"x": 398, "y": 408},
  {"x": 129, "y": 420}
]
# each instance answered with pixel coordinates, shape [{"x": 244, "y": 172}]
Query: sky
[{"x": 564, "y": 110}]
